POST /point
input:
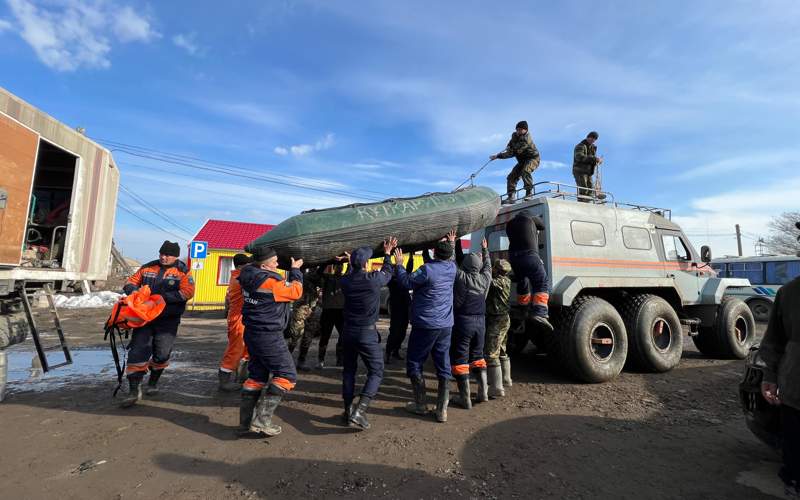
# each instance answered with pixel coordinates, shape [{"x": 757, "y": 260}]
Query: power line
[
  {"x": 198, "y": 163},
  {"x": 141, "y": 201},
  {"x": 122, "y": 206}
]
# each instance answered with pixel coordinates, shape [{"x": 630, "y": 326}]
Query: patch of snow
[{"x": 92, "y": 300}]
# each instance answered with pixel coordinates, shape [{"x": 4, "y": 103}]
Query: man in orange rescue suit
[
  {"x": 236, "y": 352},
  {"x": 265, "y": 314},
  {"x": 151, "y": 345}
]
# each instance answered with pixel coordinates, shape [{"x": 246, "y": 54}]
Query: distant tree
[{"x": 782, "y": 239}]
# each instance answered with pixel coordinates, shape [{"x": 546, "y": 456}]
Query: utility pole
[{"x": 739, "y": 239}]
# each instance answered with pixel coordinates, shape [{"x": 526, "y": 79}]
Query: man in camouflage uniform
[
  {"x": 301, "y": 311},
  {"x": 584, "y": 163},
  {"x": 522, "y": 148},
  {"x": 497, "y": 324}
]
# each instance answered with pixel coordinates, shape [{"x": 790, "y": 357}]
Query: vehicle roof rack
[{"x": 549, "y": 189}]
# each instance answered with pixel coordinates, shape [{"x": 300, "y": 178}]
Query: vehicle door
[{"x": 680, "y": 264}]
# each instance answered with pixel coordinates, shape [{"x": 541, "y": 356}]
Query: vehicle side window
[
  {"x": 720, "y": 269},
  {"x": 780, "y": 273},
  {"x": 588, "y": 233},
  {"x": 753, "y": 271},
  {"x": 498, "y": 241},
  {"x": 636, "y": 238},
  {"x": 674, "y": 249}
]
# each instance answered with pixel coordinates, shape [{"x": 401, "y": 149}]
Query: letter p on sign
[{"x": 199, "y": 249}]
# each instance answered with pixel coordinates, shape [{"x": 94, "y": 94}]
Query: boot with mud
[
  {"x": 227, "y": 381},
  {"x": 135, "y": 390},
  {"x": 348, "y": 409},
  {"x": 494, "y": 373},
  {"x": 242, "y": 373},
  {"x": 463, "y": 398},
  {"x": 480, "y": 375},
  {"x": 505, "y": 364},
  {"x": 358, "y": 417},
  {"x": 419, "y": 406},
  {"x": 265, "y": 408},
  {"x": 510, "y": 198},
  {"x": 246, "y": 409},
  {"x": 152, "y": 381},
  {"x": 442, "y": 399},
  {"x": 543, "y": 323}
]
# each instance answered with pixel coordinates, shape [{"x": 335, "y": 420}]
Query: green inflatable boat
[{"x": 317, "y": 236}]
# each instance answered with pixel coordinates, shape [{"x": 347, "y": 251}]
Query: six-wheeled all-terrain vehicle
[{"x": 625, "y": 284}]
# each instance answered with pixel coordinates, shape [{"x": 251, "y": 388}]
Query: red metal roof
[{"x": 230, "y": 235}]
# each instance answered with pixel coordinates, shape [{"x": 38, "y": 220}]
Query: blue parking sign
[{"x": 199, "y": 249}]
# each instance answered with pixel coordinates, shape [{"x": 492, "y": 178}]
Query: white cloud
[
  {"x": 552, "y": 164},
  {"x": 132, "y": 27},
  {"x": 244, "y": 111},
  {"x": 5, "y": 25},
  {"x": 187, "y": 42},
  {"x": 326, "y": 142},
  {"x": 68, "y": 34},
  {"x": 758, "y": 161}
]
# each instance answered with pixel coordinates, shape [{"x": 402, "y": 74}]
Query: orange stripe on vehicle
[
  {"x": 283, "y": 383},
  {"x": 480, "y": 363},
  {"x": 524, "y": 300},
  {"x": 460, "y": 369},
  {"x": 253, "y": 385},
  {"x": 541, "y": 298}
]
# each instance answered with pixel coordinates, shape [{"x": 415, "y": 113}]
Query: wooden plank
[{"x": 18, "y": 147}]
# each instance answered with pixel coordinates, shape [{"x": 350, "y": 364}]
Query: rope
[
  {"x": 111, "y": 333},
  {"x": 472, "y": 176}
]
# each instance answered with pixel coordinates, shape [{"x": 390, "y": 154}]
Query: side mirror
[{"x": 705, "y": 254}]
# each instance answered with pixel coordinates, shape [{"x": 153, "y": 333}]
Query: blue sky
[{"x": 696, "y": 102}]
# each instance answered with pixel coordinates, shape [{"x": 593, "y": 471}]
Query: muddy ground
[{"x": 674, "y": 435}]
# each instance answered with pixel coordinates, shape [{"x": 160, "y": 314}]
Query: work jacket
[
  {"x": 362, "y": 294},
  {"x": 472, "y": 282},
  {"x": 267, "y": 297},
  {"x": 432, "y": 286},
  {"x": 174, "y": 283},
  {"x": 584, "y": 158},
  {"x": 780, "y": 347},
  {"x": 522, "y": 148}
]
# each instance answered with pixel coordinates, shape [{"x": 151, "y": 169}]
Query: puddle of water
[{"x": 89, "y": 365}]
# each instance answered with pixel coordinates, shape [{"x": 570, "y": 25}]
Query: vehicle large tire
[
  {"x": 592, "y": 343},
  {"x": 761, "y": 309},
  {"x": 733, "y": 333},
  {"x": 655, "y": 335}
]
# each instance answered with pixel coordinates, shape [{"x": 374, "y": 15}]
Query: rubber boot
[
  {"x": 301, "y": 364},
  {"x": 358, "y": 417},
  {"x": 543, "y": 323},
  {"x": 243, "y": 372},
  {"x": 348, "y": 409},
  {"x": 505, "y": 363},
  {"x": 228, "y": 381},
  {"x": 528, "y": 194},
  {"x": 246, "y": 409},
  {"x": 135, "y": 390},
  {"x": 152, "y": 382},
  {"x": 480, "y": 375},
  {"x": 509, "y": 199},
  {"x": 463, "y": 399},
  {"x": 267, "y": 404},
  {"x": 442, "y": 399},
  {"x": 494, "y": 373},
  {"x": 419, "y": 406}
]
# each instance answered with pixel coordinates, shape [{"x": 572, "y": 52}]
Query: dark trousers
[
  {"x": 524, "y": 171},
  {"x": 585, "y": 187},
  {"x": 466, "y": 348},
  {"x": 329, "y": 319},
  {"x": 531, "y": 279},
  {"x": 364, "y": 342},
  {"x": 398, "y": 325},
  {"x": 790, "y": 427},
  {"x": 268, "y": 355},
  {"x": 153, "y": 340},
  {"x": 428, "y": 341}
]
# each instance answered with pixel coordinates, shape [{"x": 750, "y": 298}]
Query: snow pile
[{"x": 94, "y": 299}]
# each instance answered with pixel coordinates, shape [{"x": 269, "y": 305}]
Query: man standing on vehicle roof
[
  {"x": 265, "y": 314},
  {"x": 529, "y": 272},
  {"x": 151, "y": 345},
  {"x": 521, "y": 147},
  {"x": 431, "y": 322},
  {"x": 362, "y": 303},
  {"x": 235, "y": 355},
  {"x": 584, "y": 163},
  {"x": 780, "y": 350}
]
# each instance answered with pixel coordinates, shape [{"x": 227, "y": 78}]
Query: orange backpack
[{"x": 137, "y": 309}]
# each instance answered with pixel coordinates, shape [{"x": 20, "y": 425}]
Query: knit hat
[
  {"x": 360, "y": 257},
  {"x": 522, "y": 124},
  {"x": 260, "y": 254},
  {"x": 593, "y": 135},
  {"x": 240, "y": 259},
  {"x": 443, "y": 250},
  {"x": 502, "y": 267},
  {"x": 170, "y": 248}
]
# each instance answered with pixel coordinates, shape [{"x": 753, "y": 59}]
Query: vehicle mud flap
[
  {"x": 655, "y": 334},
  {"x": 593, "y": 343}
]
